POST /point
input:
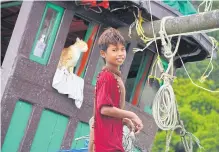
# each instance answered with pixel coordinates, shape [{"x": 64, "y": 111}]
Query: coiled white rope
[{"x": 164, "y": 107}]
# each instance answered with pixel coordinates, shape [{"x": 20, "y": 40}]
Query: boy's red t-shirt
[{"x": 108, "y": 131}]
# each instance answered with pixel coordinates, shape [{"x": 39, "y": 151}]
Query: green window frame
[
  {"x": 52, "y": 34},
  {"x": 10, "y": 4}
]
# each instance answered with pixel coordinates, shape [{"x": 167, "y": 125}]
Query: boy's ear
[{"x": 102, "y": 54}]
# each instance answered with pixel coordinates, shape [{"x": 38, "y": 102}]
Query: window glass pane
[{"x": 45, "y": 33}]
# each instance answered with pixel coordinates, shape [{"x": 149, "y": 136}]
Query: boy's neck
[{"x": 112, "y": 67}]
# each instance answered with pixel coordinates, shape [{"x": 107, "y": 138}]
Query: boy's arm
[
  {"x": 117, "y": 113},
  {"x": 121, "y": 114}
]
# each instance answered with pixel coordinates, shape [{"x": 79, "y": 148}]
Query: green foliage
[{"x": 199, "y": 111}]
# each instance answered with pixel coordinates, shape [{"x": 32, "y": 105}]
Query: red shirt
[{"x": 107, "y": 130}]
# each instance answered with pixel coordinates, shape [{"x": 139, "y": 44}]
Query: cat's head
[{"x": 81, "y": 45}]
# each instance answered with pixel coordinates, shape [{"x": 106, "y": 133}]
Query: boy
[{"x": 109, "y": 115}]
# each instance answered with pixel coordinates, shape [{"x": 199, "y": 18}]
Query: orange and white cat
[{"x": 70, "y": 55}]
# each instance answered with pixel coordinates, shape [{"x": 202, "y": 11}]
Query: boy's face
[{"x": 114, "y": 55}]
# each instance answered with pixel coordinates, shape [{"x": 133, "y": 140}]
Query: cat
[{"x": 69, "y": 56}]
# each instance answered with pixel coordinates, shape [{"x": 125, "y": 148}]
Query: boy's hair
[{"x": 110, "y": 36}]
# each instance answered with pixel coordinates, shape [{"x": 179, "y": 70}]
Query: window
[
  {"x": 46, "y": 34},
  {"x": 137, "y": 76},
  {"x": 85, "y": 30},
  {"x": 132, "y": 75}
]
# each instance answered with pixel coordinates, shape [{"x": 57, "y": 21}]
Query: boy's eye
[{"x": 114, "y": 50}]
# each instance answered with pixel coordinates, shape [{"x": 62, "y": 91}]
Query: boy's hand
[
  {"x": 138, "y": 124},
  {"x": 129, "y": 124},
  {"x": 119, "y": 113},
  {"x": 138, "y": 128}
]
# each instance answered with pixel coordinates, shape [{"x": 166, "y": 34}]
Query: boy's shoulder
[{"x": 105, "y": 75}]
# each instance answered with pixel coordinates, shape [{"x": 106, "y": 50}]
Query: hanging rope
[
  {"x": 138, "y": 26},
  {"x": 187, "y": 139},
  {"x": 164, "y": 106},
  {"x": 139, "y": 20},
  {"x": 212, "y": 91},
  {"x": 208, "y": 5},
  {"x": 204, "y": 75}
]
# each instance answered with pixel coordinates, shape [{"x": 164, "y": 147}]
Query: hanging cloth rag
[{"x": 70, "y": 84}]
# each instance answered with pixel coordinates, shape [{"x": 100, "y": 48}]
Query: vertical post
[{"x": 14, "y": 44}]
